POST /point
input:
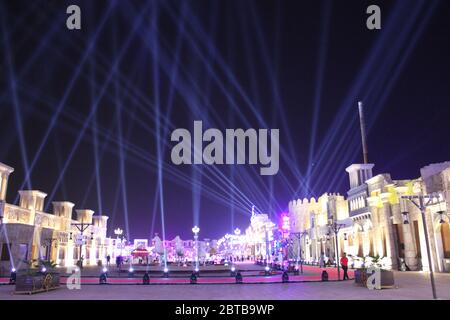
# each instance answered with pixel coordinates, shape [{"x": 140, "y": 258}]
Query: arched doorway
[{"x": 445, "y": 235}]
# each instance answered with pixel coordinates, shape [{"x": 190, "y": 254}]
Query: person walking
[
  {"x": 108, "y": 260},
  {"x": 344, "y": 265}
]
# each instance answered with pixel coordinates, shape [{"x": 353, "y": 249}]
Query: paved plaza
[{"x": 410, "y": 285}]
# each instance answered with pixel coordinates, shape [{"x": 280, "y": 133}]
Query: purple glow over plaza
[{"x": 224, "y": 141}]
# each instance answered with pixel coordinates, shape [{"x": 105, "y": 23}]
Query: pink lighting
[{"x": 285, "y": 222}]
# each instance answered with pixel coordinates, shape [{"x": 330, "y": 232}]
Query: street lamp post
[
  {"x": 267, "y": 245},
  {"x": 196, "y": 230},
  {"x": 421, "y": 202},
  {"x": 335, "y": 227},
  {"x": 81, "y": 227},
  {"x": 299, "y": 236},
  {"x": 119, "y": 233},
  {"x": 237, "y": 233}
]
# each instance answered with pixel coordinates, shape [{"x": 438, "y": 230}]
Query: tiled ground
[{"x": 411, "y": 285}]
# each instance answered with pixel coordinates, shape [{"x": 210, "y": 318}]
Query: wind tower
[{"x": 359, "y": 173}]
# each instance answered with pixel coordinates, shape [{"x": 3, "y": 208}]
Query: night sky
[{"x": 82, "y": 110}]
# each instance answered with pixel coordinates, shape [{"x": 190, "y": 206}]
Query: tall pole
[
  {"x": 362, "y": 124},
  {"x": 337, "y": 254},
  {"x": 81, "y": 227},
  {"x": 196, "y": 230},
  {"x": 299, "y": 236},
  {"x": 422, "y": 207},
  {"x": 427, "y": 241},
  {"x": 196, "y": 250},
  {"x": 267, "y": 245},
  {"x": 335, "y": 227}
]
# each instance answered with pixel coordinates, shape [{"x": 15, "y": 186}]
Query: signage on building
[
  {"x": 79, "y": 240},
  {"x": 285, "y": 225}
]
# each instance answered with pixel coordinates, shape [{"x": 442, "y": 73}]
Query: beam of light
[
  {"x": 123, "y": 178},
  {"x": 340, "y": 132},
  {"x": 25, "y": 67},
  {"x": 231, "y": 78},
  {"x": 323, "y": 48},
  {"x": 59, "y": 164},
  {"x": 183, "y": 92},
  {"x": 96, "y": 103},
  {"x": 16, "y": 106},
  {"x": 95, "y": 139},
  {"x": 276, "y": 98},
  {"x": 155, "y": 43},
  {"x": 4, "y": 230},
  {"x": 67, "y": 92},
  {"x": 147, "y": 161},
  {"x": 197, "y": 171},
  {"x": 390, "y": 79},
  {"x": 119, "y": 192}
]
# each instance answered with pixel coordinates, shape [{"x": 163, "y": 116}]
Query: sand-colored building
[
  {"x": 376, "y": 221},
  {"x": 28, "y": 233}
]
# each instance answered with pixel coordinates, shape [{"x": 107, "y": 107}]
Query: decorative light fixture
[
  {"x": 405, "y": 217},
  {"x": 195, "y": 229},
  {"x": 118, "y": 232},
  {"x": 441, "y": 216},
  {"x": 404, "y": 211},
  {"x": 233, "y": 271},
  {"x": 440, "y": 212},
  {"x": 13, "y": 276}
]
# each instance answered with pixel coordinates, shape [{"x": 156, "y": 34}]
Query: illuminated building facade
[
  {"x": 28, "y": 233},
  {"x": 260, "y": 235},
  {"x": 377, "y": 221},
  {"x": 310, "y": 218}
]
